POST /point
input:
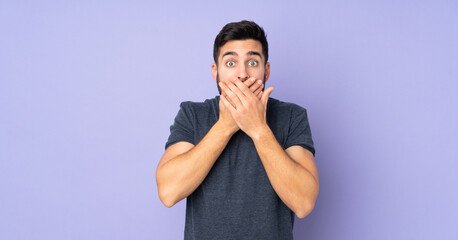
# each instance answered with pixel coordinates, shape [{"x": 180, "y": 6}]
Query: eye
[
  {"x": 230, "y": 63},
  {"x": 253, "y": 63}
]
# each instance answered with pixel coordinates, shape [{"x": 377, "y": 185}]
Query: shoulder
[
  {"x": 200, "y": 111},
  {"x": 281, "y": 114},
  {"x": 276, "y": 106},
  {"x": 199, "y": 106}
]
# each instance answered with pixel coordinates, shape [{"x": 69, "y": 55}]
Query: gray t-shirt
[{"x": 236, "y": 199}]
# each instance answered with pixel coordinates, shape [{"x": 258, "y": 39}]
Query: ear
[
  {"x": 214, "y": 71},
  {"x": 267, "y": 71}
]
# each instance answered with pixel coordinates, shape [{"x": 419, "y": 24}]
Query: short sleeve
[
  {"x": 182, "y": 128},
  {"x": 299, "y": 130}
]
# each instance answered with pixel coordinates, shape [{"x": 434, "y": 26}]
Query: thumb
[{"x": 266, "y": 94}]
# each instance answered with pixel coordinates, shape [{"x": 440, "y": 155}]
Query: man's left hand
[{"x": 249, "y": 112}]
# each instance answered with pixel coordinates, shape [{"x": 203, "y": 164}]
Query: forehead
[{"x": 241, "y": 47}]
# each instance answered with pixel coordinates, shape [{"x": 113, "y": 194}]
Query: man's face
[{"x": 240, "y": 59}]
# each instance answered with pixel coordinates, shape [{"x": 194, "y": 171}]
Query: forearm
[
  {"x": 293, "y": 183},
  {"x": 178, "y": 177}
]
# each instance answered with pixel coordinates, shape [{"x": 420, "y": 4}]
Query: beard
[{"x": 219, "y": 89}]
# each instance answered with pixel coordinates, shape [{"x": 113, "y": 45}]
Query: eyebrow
[
  {"x": 229, "y": 53},
  {"x": 251, "y": 53}
]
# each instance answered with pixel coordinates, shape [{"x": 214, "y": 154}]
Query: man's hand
[
  {"x": 248, "y": 109},
  {"x": 225, "y": 116}
]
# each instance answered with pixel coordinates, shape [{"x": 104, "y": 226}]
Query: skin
[{"x": 241, "y": 74}]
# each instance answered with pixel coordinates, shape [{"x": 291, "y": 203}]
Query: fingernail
[{"x": 259, "y": 82}]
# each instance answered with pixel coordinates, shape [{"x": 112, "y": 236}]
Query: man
[{"x": 244, "y": 161}]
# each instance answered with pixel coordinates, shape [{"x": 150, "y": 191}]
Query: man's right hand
[
  {"x": 225, "y": 116},
  {"x": 184, "y": 166}
]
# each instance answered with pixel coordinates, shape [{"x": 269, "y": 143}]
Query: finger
[
  {"x": 244, "y": 90},
  {"x": 259, "y": 89},
  {"x": 226, "y": 103},
  {"x": 266, "y": 94},
  {"x": 232, "y": 93},
  {"x": 250, "y": 82},
  {"x": 255, "y": 86},
  {"x": 257, "y": 92},
  {"x": 223, "y": 93},
  {"x": 236, "y": 88}
]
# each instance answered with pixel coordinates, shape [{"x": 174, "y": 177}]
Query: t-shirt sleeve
[
  {"x": 182, "y": 127},
  {"x": 299, "y": 131}
]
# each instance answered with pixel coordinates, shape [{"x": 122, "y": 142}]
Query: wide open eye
[
  {"x": 230, "y": 63},
  {"x": 253, "y": 63}
]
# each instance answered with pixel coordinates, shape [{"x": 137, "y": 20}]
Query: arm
[
  {"x": 183, "y": 167},
  {"x": 292, "y": 173}
]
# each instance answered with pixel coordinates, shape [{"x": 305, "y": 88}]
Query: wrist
[
  {"x": 225, "y": 129},
  {"x": 260, "y": 133}
]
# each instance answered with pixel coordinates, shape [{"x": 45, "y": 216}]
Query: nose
[{"x": 242, "y": 74}]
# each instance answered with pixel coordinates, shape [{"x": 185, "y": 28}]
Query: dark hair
[{"x": 240, "y": 31}]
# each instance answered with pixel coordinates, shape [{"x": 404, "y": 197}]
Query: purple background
[{"x": 89, "y": 89}]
